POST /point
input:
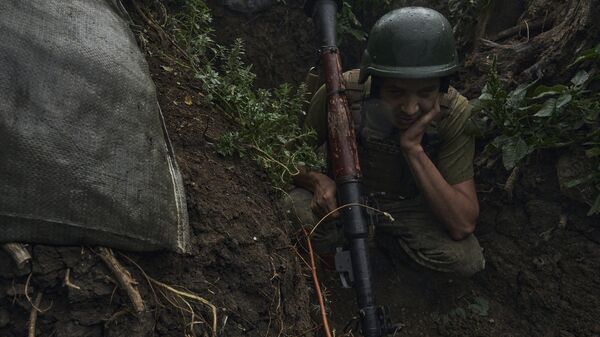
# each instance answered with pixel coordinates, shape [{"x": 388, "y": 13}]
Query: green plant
[
  {"x": 191, "y": 28},
  {"x": 368, "y": 11},
  {"x": 533, "y": 117},
  {"x": 266, "y": 121},
  {"x": 348, "y": 25}
]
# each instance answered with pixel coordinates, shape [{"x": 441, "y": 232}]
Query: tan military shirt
[{"x": 384, "y": 168}]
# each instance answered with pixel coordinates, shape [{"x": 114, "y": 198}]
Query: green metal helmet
[{"x": 410, "y": 42}]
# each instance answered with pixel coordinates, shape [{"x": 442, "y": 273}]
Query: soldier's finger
[
  {"x": 314, "y": 206},
  {"x": 331, "y": 205}
]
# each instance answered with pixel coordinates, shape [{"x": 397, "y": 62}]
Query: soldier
[{"x": 414, "y": 146}]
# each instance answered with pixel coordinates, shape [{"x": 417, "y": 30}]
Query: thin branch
[{"x": 33, "y": 315}]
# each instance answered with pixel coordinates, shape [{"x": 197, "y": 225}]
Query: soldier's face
[{"x": 409, "y": 98}]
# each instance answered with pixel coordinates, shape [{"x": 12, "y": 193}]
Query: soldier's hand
[
  {"x": 324, "y": 196},
  {"x": 410, "y": 139}
]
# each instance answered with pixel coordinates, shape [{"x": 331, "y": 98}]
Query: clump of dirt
[{"x": 241, "y": 260}]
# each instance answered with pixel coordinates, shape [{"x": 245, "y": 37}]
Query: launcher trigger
[{"x": 343, "y": 265}]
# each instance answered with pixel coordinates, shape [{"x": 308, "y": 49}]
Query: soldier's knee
[
  {"x": 296, "y": 205},
  {"x": 464, "y": 258},
  {"x": 469, "y": 264}
]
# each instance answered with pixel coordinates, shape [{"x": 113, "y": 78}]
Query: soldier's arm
[
  {"x": 323, "y": 189},
  {"x": 456, "y": 206},
  {"x": 321, "y": 185}
]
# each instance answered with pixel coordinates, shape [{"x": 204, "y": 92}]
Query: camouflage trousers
[{"x": 414, "y": 232}]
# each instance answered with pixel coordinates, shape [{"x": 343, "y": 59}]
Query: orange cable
[{"x": 317, "y": 287}]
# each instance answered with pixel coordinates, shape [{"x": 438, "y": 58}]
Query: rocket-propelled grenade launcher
[{"x": 343, "y": 159}]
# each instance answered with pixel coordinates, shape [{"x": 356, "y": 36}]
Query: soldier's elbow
[{"x": 461, "y": 232}]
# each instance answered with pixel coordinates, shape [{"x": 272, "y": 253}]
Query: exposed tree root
[
  {"x": 67, "y": 280},
  {"x": 169, "y": 292},
  {"x": 189, "y": 295},
  {"x": 277, "y": 294},
  {"x": 572, "y": 29},
  {"x": 161, "y": 33},
  {"x": 535, "y": 25},
  {"x": 18, "y": 252},
  {"x": 26, "y": 293},
  {"x": 124, "y": 278},
  {"x": 509, "y": 186},
  {"x": 34, "y": 314}
]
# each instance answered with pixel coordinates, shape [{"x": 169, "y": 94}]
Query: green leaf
[
  {"x": 499, "y": 141},
  {"x": 595, "y": 209},
  {"x": 588, "y": 54},
  {"x": 486, "y": 97},
  {"x": 546, "y": 94},
  {"x": 563, "y": 100},
  {"x": 514, "y": 151},
  {"x": 542, "y": 90},
  {"x": 547, "y": 108},
  {"x": 532, "y": 107},
  {"x": 529, "y": 107},
  {"x": 516, "y": 97},
  {"x": 580, "y": 78}
]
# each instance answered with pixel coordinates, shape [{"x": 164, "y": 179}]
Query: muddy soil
[
  {"x": 241, "y": 260},
  {"x": 279, "y": 41}
]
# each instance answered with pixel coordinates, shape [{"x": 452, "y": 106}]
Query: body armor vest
[{"x": 386, "y": 173}]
